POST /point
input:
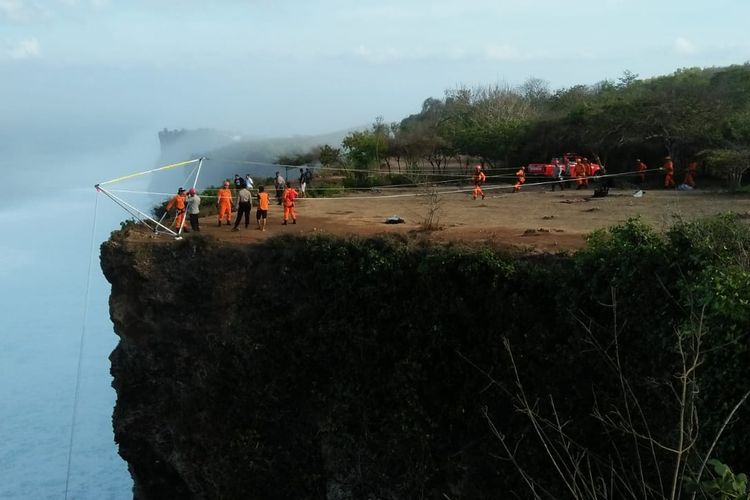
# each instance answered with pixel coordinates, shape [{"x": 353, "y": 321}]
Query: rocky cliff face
[
  {"x": 301, "y": 368},
  {"x": 334, "y": 368}
]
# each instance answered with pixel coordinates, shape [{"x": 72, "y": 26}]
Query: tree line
[{"x": 698, "y": 114}]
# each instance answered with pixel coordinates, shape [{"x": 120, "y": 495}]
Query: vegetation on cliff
[{"x": 692, "y": 114}]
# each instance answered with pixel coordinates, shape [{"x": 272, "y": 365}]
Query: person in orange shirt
[
  {"x": 261, "y": 214},
  {"x": 520, "y": 179},
  {"x": 178, "y": 202},
  {"x": 225, "y": 202},
  {"x": 290, "y": 194},
  {"x": 580, "y": 172},
  {"x": 641, "y": 168},
  {"x": 669, "y": 173},
  {"x": 690, "y": 175},
  {"x": 479, "y": 179}
]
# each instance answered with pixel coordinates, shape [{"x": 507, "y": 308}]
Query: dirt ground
[{"x": 534, "y": 218}]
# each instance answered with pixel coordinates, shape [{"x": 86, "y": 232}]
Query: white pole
[{"x": 195, "y": 182}]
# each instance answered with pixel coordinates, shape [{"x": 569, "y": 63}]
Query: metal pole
[{"x": 195, "y": 182}]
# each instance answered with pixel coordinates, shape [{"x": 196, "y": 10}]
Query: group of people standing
[
  {"x": 240, "y": 198},
  {"x": 581, "y": 170}
]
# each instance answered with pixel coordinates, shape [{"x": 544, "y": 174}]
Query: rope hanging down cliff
[{"x": 81, "y": 344}]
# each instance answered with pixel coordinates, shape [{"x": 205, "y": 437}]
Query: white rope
[{"x": 406, "y": 195}]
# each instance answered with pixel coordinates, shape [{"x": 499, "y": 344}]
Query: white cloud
[
  {"x": 12, "y": 9},
  {"x": 25, "y": 49},
  {"x": 684, "y": 46}
]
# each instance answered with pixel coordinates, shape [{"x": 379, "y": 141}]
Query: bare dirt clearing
[{"x": 533, "y": 218}]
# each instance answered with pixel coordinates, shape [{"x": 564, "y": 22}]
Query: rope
[
  {"x": 138, "y": 174},
  {"x": 404, "y": 195},
  {"x": 80, "y": 351}
]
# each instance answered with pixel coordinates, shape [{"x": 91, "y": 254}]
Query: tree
[{"x": 329, "y": 155}]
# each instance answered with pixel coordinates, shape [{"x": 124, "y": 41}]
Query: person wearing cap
[
  {"x": 641, "y": 168},
  {"x": 479, "y": 179},
  {"x": 243, "y": 208},
  {"x": 224, "y": 202},
  {"x": 178, "y": 202},
  {"x": 193, "y": 209},
  {"x": 668, "y": 173}
]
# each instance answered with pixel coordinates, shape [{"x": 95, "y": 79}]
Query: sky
[{"x": 90, "y": 70}]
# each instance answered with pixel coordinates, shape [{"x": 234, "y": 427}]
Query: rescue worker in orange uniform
[
  {"x": 479, "y": 179},
  {"x": 520, "y": 179},
  {"x": 669, "y": 173},
  {"x": 290, "y": 194},
  {"x": 178, "y": 202},
  {"x": 580, "y": 172},
  {"x": 641, "y": 168},
  {"x": 690, "y": 174},
  {"x": 225, "y": 202},
  {"x": 588, "y": 171}
]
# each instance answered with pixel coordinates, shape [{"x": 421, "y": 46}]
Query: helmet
[
  {"x": 191, "y": 191},
  {"x": 180, "y": 190}
]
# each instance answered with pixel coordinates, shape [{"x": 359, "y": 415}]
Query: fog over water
[{"x": 46, "y": 223}]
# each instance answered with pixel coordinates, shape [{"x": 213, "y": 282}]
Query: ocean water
[{"x": 45, "y": 252}]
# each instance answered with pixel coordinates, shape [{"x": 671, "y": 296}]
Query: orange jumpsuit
[
  {"x": 179, "y": 203},
  {"x": 521, "y": 175},
  {"x": 225, "y": 203},
  {"x": 669, "y": 175},
  {"x": 580, "y": 171},
  {"x": 586, "y": 172},
  {"x": 641, "y": 169},
  {"x": 479, "y": 179},
  {"x": 290, "y": 194},
  {"x": 690, "y": 175}
]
